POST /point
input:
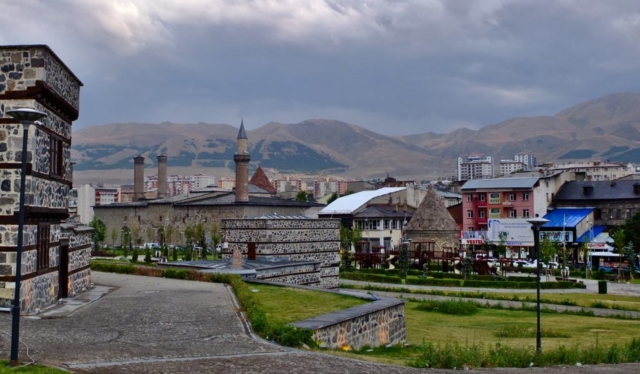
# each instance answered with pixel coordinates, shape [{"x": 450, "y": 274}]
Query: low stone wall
[{"x": 377, "y": 323}]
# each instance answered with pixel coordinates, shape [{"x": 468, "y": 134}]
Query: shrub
[
  {"x": 134, "y": 256},
  {"x": 371, "y": 277},
  {"x": 456, "y": 307},
  {"x": 523, "y": 331},
  {"x": 434, "y": 282}
]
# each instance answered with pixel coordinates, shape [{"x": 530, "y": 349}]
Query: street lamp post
[
  {"x": 26, "y": 116},
  {"x": 536, "y": 223}
]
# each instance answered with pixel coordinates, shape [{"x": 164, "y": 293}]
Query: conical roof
[
  {"x": 242, "y": 134},
  {"x": 431, "y": 215},
  {"x": 261, "y": 180}
]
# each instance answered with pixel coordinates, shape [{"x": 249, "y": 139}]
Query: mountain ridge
[{"x": 606, "y": 127}]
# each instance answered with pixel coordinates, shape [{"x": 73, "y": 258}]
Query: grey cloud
[{"x": 397, "y": 67}]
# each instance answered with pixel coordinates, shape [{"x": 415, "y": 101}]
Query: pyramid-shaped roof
[
  {"x": 431, "y": 215},
  {"x": 261, "y": 180}
]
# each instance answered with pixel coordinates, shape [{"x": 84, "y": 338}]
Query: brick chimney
[
  {"x": 138, "y": 178},
  {"x": 162, "y": 176},
  {"x": 242, "y": 159}
]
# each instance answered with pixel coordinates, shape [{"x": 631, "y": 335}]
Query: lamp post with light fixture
[
  {"x": 26, "y": 116},
  {"x": 536, "y": 223}
]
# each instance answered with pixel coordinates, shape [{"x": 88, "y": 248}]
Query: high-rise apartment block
[
  {"x": 528, "y": 160},
  {"x": 475, "y": 167}
]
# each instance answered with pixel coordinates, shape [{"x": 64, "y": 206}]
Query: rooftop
[
  {"x": 527, "y": 182},
  {"x": 601, "y": 190},
  {"x": 566, "y": 217},
  {"x": 350, "y": 203}
]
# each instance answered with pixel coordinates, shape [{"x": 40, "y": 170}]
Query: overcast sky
[{"x": 396, "y": 67}]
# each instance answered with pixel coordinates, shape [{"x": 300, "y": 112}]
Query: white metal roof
[
  {"x": 500, "y": 183},
  {"x": 350, "y": 203}
]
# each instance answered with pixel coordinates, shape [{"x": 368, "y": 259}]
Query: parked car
[
  {"x": 523, "y": 263},
  {"x": 151, "y": 246}
]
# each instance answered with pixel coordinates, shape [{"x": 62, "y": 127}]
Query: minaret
[
  {"x": 138, "y": 178},
  {"x": 242, "y": 159},
  {"x": 162, "y": 176}
]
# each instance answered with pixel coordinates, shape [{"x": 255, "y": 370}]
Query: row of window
[
  {"x": 511, "y": 213},
  {"x": 374, "y": 224},
  {"x": 496, "y": 198}
]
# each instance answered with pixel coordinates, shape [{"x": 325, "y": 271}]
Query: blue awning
[
  {"x": 566, "y": 217},
  {"x": 589, "y": 235}
]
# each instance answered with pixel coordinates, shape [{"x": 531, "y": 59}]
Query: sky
[{"x": 397, "y": 67}]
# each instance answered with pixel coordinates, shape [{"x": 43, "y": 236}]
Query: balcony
[
  {"x": 507, "y": 203},
  {"x": 481, "y": 220}
]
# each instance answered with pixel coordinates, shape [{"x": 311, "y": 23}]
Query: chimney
[
  {"x": 162, "y": 176},
  {"x": 138, "y": 178},
  {"x": 242, "y": 159}
]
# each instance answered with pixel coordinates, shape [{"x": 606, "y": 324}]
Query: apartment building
[
  {"x": 475, "y": 167},
  {"x": 528, "y": 160},
  {"x": 595, "y": 170},
  {"x": 329, "y": 185},
  {"x": 509, "y": 166}
]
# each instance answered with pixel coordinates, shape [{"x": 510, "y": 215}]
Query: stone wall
[
  {"x": 20, "y": 68},
  {"x": 39, "y": 292},
  {"x": 307, "y": 274},
  {"x": 374, "y": 324},
  {"x": 289, "y": 239}
]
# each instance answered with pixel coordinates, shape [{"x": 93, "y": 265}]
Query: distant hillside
[{"x": 607, "y": 128}]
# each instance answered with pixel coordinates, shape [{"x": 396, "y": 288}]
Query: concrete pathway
[{"x": 155, "y": 325}]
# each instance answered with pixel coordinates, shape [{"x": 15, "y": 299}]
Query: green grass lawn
[
  {"x": 31, "y": 369},
  {"x": 581, "y": 299},
  {"x": 483, "y": 327},
  {"x": 287, "y": 305}
]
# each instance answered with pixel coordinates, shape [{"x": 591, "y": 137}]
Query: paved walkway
[{"x": 155, "y": 325}]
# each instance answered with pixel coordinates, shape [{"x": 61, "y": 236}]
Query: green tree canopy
[
  {"x": 302, "y": 196},
  {"x": 99, "y": 229}
]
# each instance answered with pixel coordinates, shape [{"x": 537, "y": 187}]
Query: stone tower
[
  {"x": 138, "y": 178},
  {"x": 54, "y": 255},
  {"x": 242, "y": 159},
  {"x": 162, "y": 176}
]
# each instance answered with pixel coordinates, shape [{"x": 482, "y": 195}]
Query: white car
[{"x": 524, "y": 263}]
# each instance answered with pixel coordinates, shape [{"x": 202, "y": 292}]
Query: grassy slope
[{"x": 286, "y": 305}]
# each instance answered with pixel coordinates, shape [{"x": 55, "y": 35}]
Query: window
[
  {"x": 469, "y": 213},
  {"x": 469, "y": 197},
  {"x": 512, "y": 197},
  {"x": 525, "y": 213},
  {"x": 525, "y": 196},
  {"x": 481, "y": 213},
  {"x": 43, "y": 245},
  {"x": 512, "y": 213},
  {"x": 55, "y": 157},
  {"x": 481, "y": 197}
]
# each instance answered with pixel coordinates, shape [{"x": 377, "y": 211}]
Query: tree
[
  {"x": 216, "y": 237},
  {"x": 501, "y": 248},
  {"x": 114, "y": 236},
  {"x": 99, "y": 229},
  {"x": 403, "y": 259},
  {"x": 630, "y": 255},
  {"x": 334, "y": 197},
  {"x": 201, "y": 239},
  {"x": 632, "y": 231},
  {"x": 301, "y": 196},
  {"x": 348, "y": 239},
  {"x": 150, "y": 235},
  {"x": 548, "y": 249},
  {"x": 135, "y": 234}
]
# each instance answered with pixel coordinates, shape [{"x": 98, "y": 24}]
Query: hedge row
[
  {"x": 280, "y": 333},
  {"x": 366, "y": 277}
]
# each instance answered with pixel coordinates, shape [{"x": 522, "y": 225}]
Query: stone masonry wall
[
  {"x": 39, "y": 292},
  {"x": 306, "y": 274},
  {"x": 373, "y": 328},
  {"x": 20, "y": 68},
  {"x": 289, "y": 239}
]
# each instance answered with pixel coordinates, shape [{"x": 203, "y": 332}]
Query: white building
[
  {"x": 595, "y": 170},
  {"x": 85, "y": 202},
  {"x": 509, "y": 166},
  {"x": 201, "y": 181},
  {"x": 528, "y": 160},
  {"x": 475, "y": 167}
]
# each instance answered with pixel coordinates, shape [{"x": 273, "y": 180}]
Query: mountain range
[{"x": 607, "y": 128}]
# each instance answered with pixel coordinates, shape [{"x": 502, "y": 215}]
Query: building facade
[
  {"x": 55, "y": 257},
  {"x": 475, "y": 167},
  {"x": 595, "y": 170},
  {"x": 530, "y": 162},
  {"x": 509, "y": 166}
]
